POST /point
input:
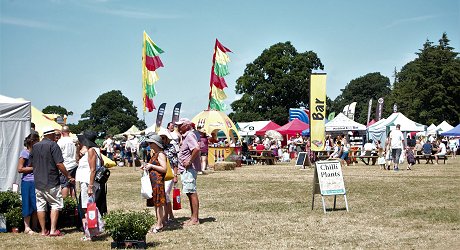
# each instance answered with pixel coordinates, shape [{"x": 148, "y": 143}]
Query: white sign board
[{"x": 330, "y": 177}]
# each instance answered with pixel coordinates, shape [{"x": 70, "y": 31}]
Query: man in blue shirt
[{"x": 427, "y": 147}]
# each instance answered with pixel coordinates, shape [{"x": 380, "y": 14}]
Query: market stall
[{"x": 212, "y": 122}]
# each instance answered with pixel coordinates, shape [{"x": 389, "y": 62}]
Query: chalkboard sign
[{"x": 302, "y": 160}]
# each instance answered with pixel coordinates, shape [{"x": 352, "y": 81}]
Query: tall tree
[
  {"x": 277, "y": 80},
  {"x": 427, "y": 89},
  {"x": 360, "y": 90},
  {"x": 52, "y": 109},
  {"x": 111, "y": 113}
]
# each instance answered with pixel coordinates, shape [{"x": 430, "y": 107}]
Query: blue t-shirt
[{"x": 427, "y": 148}]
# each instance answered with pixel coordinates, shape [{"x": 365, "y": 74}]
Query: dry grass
[{"x": 269, "y": 207}]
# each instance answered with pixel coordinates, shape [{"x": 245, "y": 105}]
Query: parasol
[{"x": 274, "y": 135}]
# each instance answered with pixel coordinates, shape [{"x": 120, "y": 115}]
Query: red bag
[
  {"x": 92, "y": 215},
  {"x": 176, "y": 199}
]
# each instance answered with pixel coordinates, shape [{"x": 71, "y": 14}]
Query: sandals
[
  {"x": 46, "y": 233},
  {"x": 155, "y": 230},
  {"x": 86, "y": 238},
  {"x": 29, "y": 232},
  {"x": 57, "y": 233}
]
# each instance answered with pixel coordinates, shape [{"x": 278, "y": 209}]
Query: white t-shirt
[
  {"x": 396, "y": 137},
  {"x": 108, "y": 145},
  {"x": 69, "y": 151},
  {"x": 442, "y": 146},
  {"x": 369, "y": 147}
]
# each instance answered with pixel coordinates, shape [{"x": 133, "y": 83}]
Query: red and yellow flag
[
  {"x": 217, "y": 84},
  {"x": 150, "y": 63}
]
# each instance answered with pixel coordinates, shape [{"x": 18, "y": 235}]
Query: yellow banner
[{"x": 317, "y": 111}]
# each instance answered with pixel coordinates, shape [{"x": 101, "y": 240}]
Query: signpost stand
[{"x": 327, "y": 181}]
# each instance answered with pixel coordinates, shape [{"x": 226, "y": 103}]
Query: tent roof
[
  {"x": 444, "y": 126},
  {"x": 293, "y": 127},
  {"x": 270, "y": 126},
  {"x": 394, "y": 119},
  {"x": 343, "y": 123},
  {"x": 250, "y": 128},
  {"x": 14, "y": 108},
  {"x": 453, "y": 132},
  {"x": 41, "y": 121},
  {"x": 213, "y": 121}
]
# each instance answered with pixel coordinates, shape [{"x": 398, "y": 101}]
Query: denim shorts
[{"x": 188, "y": 178}]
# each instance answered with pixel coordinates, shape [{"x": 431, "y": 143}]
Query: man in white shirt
[
  {"x": 441, "y": 151},
  {"x": 108, "y": 146},
  {"x": 396, "y": 145},
  {"x": 69, "y": 152}
]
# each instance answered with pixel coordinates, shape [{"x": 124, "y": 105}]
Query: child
[
  {"x": 381, "y": 159},
  {"x": 410, "y": 158}
]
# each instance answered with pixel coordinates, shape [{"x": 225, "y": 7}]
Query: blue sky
[{"x": 69, "y": 52}]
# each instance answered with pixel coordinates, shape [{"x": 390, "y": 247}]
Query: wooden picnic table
[{"x": 263, "y": 156}]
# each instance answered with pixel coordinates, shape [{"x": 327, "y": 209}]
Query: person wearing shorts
[
  {"x": 46, "y": 161},
  {"x": 189, "y": 164}
]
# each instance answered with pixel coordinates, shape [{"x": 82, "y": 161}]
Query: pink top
[{"x": 189, "y": 143}]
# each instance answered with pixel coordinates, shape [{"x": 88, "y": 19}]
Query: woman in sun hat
[
  {"x": 157, "y": 171},
  {"x": 89, "y": 160},
  {"x": 171, "y": 153}
]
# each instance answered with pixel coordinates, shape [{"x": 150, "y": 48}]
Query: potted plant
[
  {"x": 9, "y": 200},
  {"x": 68, "y": 216},
  {"x": 128, "y": 228},
  {"x": 14, "y": 219}
]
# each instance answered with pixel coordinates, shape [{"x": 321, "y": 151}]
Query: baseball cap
[{"x": 183, "y": 121}]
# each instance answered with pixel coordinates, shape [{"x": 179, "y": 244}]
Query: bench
[
  {"x": 264, "y": 159},
  {"x": 430, "y": 158},
  {"x": 368, "y": 158}
]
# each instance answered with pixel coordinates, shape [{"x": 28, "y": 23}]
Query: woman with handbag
[
  {"x": 89, "y": 159},
  {"x": 157, "y": 170}
]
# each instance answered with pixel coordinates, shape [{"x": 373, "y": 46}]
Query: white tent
[
  {"x": 443, "y": 127},
  {"x": 250, "y": 128},
  {"x": 343, "y": 123},
  {"x": 431, "y": 130},
  {"x": 379, "y": 130},
  {"x": 14, "y": 127}
]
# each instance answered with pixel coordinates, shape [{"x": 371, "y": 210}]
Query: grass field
[{"x": 269, "y": 207}]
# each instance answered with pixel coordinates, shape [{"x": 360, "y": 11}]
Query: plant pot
[
  {"x": 138, "y": 244},
  {"x": 15, "y": 230}
]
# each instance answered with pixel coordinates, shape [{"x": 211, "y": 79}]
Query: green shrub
[
  {"x": 9, "y": 200},
  {"x": 131, "y": 225},
  {"x": 14, "y": 218},
  {"x": 70, "y": 204}
]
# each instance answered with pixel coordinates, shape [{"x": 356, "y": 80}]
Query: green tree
[
  {"x": 277, "y": 80},
  {"x": 427, "y": 89},
  {"x": 360, "y": 90},
  {"x": 111, "y": 113},
  {"x": 52, "y": 109}
]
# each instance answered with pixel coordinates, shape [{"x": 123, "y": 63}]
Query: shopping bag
[
  {"x": 93, "y": 224},
  {"x": 91, "y": 214},
  {"x": 169, "y": 173},
  {"x": 176, "y": 199},
  {"x": 402, "y": 156},
  {"x": 146, "y": 186}
]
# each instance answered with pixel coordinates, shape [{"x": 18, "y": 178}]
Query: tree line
[{"x": 426, "y": 89}]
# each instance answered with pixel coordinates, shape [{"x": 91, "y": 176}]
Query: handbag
[
  {"x": 146, "y": 186},
  {"x": 169, "y": 173},
  {"x": 102, "y": 173}
]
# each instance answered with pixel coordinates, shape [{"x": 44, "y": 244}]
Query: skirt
[{"x": 158, "y": 188}]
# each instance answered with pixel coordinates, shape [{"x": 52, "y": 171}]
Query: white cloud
[
  {"x": 408, "y": 20},
  {"x": 27, "y": 23}
]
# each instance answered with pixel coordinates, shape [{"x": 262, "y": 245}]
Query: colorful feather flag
[
  {"x": 150, "y": 63},
  {"x": 219, "y": 69}
]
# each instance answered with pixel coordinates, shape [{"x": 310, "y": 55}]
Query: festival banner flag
[
  {"x": 331, "y": 116},
  {"x": 351, "y": 110},
  {"x": 176, "y": 112},
  {"x": 150, "y": 63},
  {"x": 317, "y": 111},
  {"x": 345, "y": 110},
  {"x": 161, "y": 112},
  {"x": 369, "y": 111},
  {"x": 217, "y": 84},
  {"x": 378, "y": 112}
]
